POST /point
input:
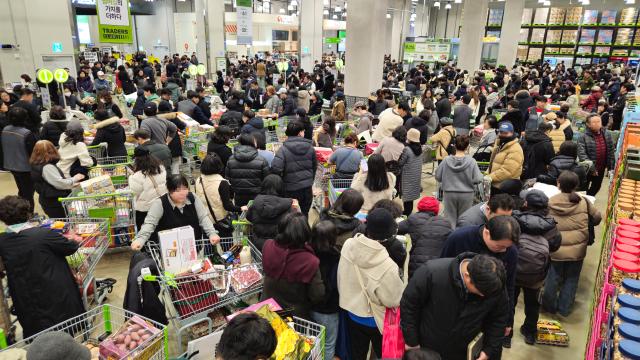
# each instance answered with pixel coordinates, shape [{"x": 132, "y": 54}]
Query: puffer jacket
[
  {"x": 246, "y": 170},
  {"x": 144, "y": 189},
  {"x": 558, "y": 136},
  {"x": 559, "y": 164},
  {"x": 265, "y": 214},
  {"x": 175, "y": 91},
  {"x": 591, "y": 103},
  {"x": 506, "y": 162},
  {"x": 296, "y": 163},
  {"x": 419, "y": 124},
  {"x": 70, "y": 152},
  {"x": 538, "y": 152},
  {"x": 389, "y": 121},
  {"x": 532, "y": 119},
  {"x": 573, "y": 224},
  {"x": 428, "y": 233},
  {"x": 255, "y": 127},
  {"x": 443, "y": 138},
  {"x": 587, "y": 148},
  {"x": 345, "y": 225},
  {"x": 111, "y": 132},
  {"x": 52, "y": 129}
]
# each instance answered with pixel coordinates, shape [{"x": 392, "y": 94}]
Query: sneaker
[
  {"x": 529, "y": 339},
  {"x": 506, "y": 342}
]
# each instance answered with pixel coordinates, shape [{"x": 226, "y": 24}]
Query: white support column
[
  {"x": 310, "y": 33},
  {"x": 475, "y": 15},
  {"x": 510, "y": 32},
  {"x": 400, "y": 27},
  {"x": 201, "y": 33},
  {"x": 365, "y": 51},
  {"x": 215, "y": 25}
]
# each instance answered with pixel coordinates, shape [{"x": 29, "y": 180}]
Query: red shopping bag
[{"x": 392, "y": 339}]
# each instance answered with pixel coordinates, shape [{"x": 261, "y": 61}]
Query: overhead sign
[
  {"x": 201, "y": 69},
  {"x": 285, "y": 19},
  {"x": 56, "y": 47},
  {"x": 61, "y": 75},
  {"x": 91, "y": 56},
  {"x": 426, "y": 51},
  {"x": 114, "y": 21},
  {"x": 45, "y": 76},
  {"x": 193, "y": 70},
  {"x": 244, "y": 9},
  {"x": 332, "y": 40}
]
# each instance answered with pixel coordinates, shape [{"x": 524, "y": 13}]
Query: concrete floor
[{"x": 116, "y": 265}]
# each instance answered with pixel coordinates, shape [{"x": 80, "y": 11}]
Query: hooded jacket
[
  {"x": 365, "y": 266},
  {"x": 389, "y": 121},
  {"x": 255, "y": 126},
  {"x": 428, "y": 233},
  {"x": 232, "y": 119},
  {"x": 419, "y": 124},
  {"x": 52, "y": 129},
  {"x": 304, "y": 100},
  {"x": 345, "y": 225},
  {"x": 111, "y": 132},
  {"x": 265, "y": 214},
  {"x": 559, "y": 164},
  {"x": 458, "y": 174},
  {"x": 573, "y": 224},
  {"x": 506, "y": 162},
  {"x": 525, "y": 101},
  {"x": 438, "y": 313},
  {"x": 70, "y": 152},
  {"x": 559, "y": 135},
  {"x": 246, "y": 170},
  {"x": 292, "y": 277},
  {"x": 296, "y": 163},
  {"x": 534, "y": 224},
  {"x": 538, "y": 152},
  {"x": 146, "y": 190}
]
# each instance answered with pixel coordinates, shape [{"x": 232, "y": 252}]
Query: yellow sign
[
  {"x": 128, "y": 57},
  {"x": 116, "y": 55},
  {"x": 61, "y": 75},
  {"x": 45, "y": 76},
  {"x": 490, "y": 39}
]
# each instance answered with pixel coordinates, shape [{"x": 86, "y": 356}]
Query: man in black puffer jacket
[
  {"x": 253, "y": 125},
  {"x": 428, "y": 233},
  {"x": 296, "y": 162},
  {"x": 538, "y": 151},
  {"x": 420, "y": 123},
  {"x": 245, "y": 170}
]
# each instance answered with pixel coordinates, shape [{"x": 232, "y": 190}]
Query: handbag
[
  {"x": 227, "y": 222},
  {"x": 392, "y": 338},
  {"x": 592, "y": 225}
]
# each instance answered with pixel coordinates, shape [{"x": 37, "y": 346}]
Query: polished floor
[{"x": 116, "y": 265}]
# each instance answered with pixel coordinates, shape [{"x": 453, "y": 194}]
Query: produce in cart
[
  {"x": 134, "y": 333},
  {"x": 291, "y": 345}
]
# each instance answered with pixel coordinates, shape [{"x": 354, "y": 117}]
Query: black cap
[
  {"x": 535, "y": 198},
  {"x": 150, "y": 106}
]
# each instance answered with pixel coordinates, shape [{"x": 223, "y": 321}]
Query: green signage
[
  {"x": 114, "y": 21},
  {"x": 45, "y": 76},
  {"x": 245, "y": 3},
  {"x": 342, "y": 34},
  {"x": 409, "y": 47},
  {"x": 332, "y": 40}
]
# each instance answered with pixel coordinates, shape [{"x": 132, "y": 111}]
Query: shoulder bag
[{"x": 227, "y": 222}]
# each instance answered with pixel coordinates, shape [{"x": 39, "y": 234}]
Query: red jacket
[{"x": 591, "y": 104}]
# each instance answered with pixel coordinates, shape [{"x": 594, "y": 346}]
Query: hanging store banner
[
  {"x": 244, "y": 13},
  {"x": 114, "y": 21}
]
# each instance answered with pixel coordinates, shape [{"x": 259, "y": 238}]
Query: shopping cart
[
  {"x": 242, "y": 227},
  {"x": 323, "y": 174},
  {"x": 336, "y": 187},
  {"x": 117, "y": 167},
  {"x": 117, "y": 207},
  {"x": 95, "y": 234},
  {"x": 483, "y": 166},
  {"x": 189, "y": 298},
  {"x": 97, "y": 151},
  {"x": 95, "y": 325}
]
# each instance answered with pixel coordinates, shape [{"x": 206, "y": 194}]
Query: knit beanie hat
[
  {"x": 57, "y": 345},
  {"x": 74, "y": 125},
  {"x": 381, "y": 225},
  {"x": 429, "y": 204}
]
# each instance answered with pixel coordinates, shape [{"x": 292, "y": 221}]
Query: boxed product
[
  {"x": 178, "y": 249},
  {"x": 550, "y": 332},
  {"x": 608, "y": 17},
  {"x": 243, "y": 278},
  {"x": 624, "y": 36},
  {"x": 573, "y": 15},
  {"x": 527, "y": 13},
  {"x": 98, "y": 185},
  {"x": 628, "y": 15},
  {"x": 270, "y": 303},
  {"x": 132, "y": 340},
  {"x": 590, "y": 17},
  {"x": 323, "y": 154},
  {"x": 554, "y": 36},
  {"x": 556, "y": 16},
  {"x": 569, "y": 36}
]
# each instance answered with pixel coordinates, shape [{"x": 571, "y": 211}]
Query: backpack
[
  {"x": 533, "y": 260},
  {"x": 451, "y": 148},
  {"x": 529, "y": 160}
]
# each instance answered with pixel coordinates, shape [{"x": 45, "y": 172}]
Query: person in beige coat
[
  {"x": 572, "y": 212},
  {"x": 368, "y": 283},
  {"x": 375, "y": 183},
  {"x": 507, "y": 157},
  {"x": 443, "y": 137},
  {"x": 389, "y": 120}
]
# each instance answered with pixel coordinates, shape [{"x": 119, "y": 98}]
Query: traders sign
[{"x": 114, "y": 21}]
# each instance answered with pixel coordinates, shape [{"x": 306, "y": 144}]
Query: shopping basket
[
  {"x": 336, "y": 187},
  {"x": 114, "y": 166},
  {"x": 95, "y": 234},
  {"x": 190, "y": 297},
  {"x": 95, "y": 325},
  {"x": 116, "y": 207}
]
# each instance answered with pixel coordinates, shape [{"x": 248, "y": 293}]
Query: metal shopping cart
[
  {"x": 117, "y": 167},
  {"x": 483, "y": 166},
  {"x": 97, "y": 151},
  {"x": 95, "y": 234},
  {"x": 323, "y": 174},
  {"x": 336, "y": 187},
  {"x": 190, "y": 297},
  {"x": 116, "y": 207},
  {"x": 94, "y": 326}
]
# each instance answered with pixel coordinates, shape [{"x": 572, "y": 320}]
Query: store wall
[
  {"x": 24, "y": 24},
  {"x": 441, "y": 20}
]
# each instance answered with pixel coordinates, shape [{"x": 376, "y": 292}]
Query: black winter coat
[
  {"x": 329, "y": 271},
  {"x": 34, "y": 121},
  {"x": 428, "y": 233},
  {"x": 52, "y": 129},
  {"x": 538, "y": 152},
  {"x": 443, "y": 108},
  {"x": 43, "y": 289},
  {"x": 144, "y": 300},
  {"x": 175, "y": 145},
  {"x": 315, "y": 108},
  {"x": 537, "y": 224},
  {"x": 265, "y": 214},
  {"x": 255, "y": 127},
  {"x": 345, "y": 225},
  {"x": 587, "y": 148},
  {"x": 245, "y": 170},
  {"x": 516, "y": 118},
  {"x": 232, "y": 119},
  {"x": 559, "y": 164},
  {"x": 437, "y": 312},
  {"x": 524, "y": 102},
  {"x": 111, "y": 132},
  {"x": 289, "y": 106},
  {"x": 419, "y": 124},
  {"x": 296, "y": 163},
  {"x": 222, "y": 150}
]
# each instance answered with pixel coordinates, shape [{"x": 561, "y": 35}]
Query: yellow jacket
[
  {"x": 557, "y": 136},
  {"x": 443, "y": 138},
  {"x": 506, "y": 162}
]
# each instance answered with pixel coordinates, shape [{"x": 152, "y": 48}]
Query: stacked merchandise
[
  {"x": 628, "y": 16},
  {"x": 556, "y": 17},
  {"x": 573, "y": 16}
]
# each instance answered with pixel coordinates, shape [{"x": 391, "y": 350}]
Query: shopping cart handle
[
  {"x": 240, "y": 222},
  {"x": 149, "y": 277}
]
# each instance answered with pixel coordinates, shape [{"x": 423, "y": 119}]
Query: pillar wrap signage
[
  {"x": 114, "y": 21},
  {"x": 245, "y": 30}
]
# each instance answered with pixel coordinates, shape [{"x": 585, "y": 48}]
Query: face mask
[{"x": 67, "y": 94}]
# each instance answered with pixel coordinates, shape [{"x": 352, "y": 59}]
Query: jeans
[
  {"x": 531, "y": 308},
  {"x": 25, "y": 186},
  {"x": 361, "y": 336},
  {"x": 330, "y": 322},
  {"x": 304, "y": 197},
  {"x": 595, "y": 182},
  {"x": 561, "y": 285}
]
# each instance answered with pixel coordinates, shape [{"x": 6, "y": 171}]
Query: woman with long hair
[
  {"x": 48, "y": 180},
  {"x": 326, "y": 134},
  {"x": 125, "y": 81},
  {"x": 148, "y": 182},
  {"x": 218, "y": 143},
  {"x": 74, "y": 155},
  {"x": 105, "y": 102},
  {"x": 375, "y": 183}
]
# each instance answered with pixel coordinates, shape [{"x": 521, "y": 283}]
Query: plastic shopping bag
[{"x": 392, "y": 339}]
